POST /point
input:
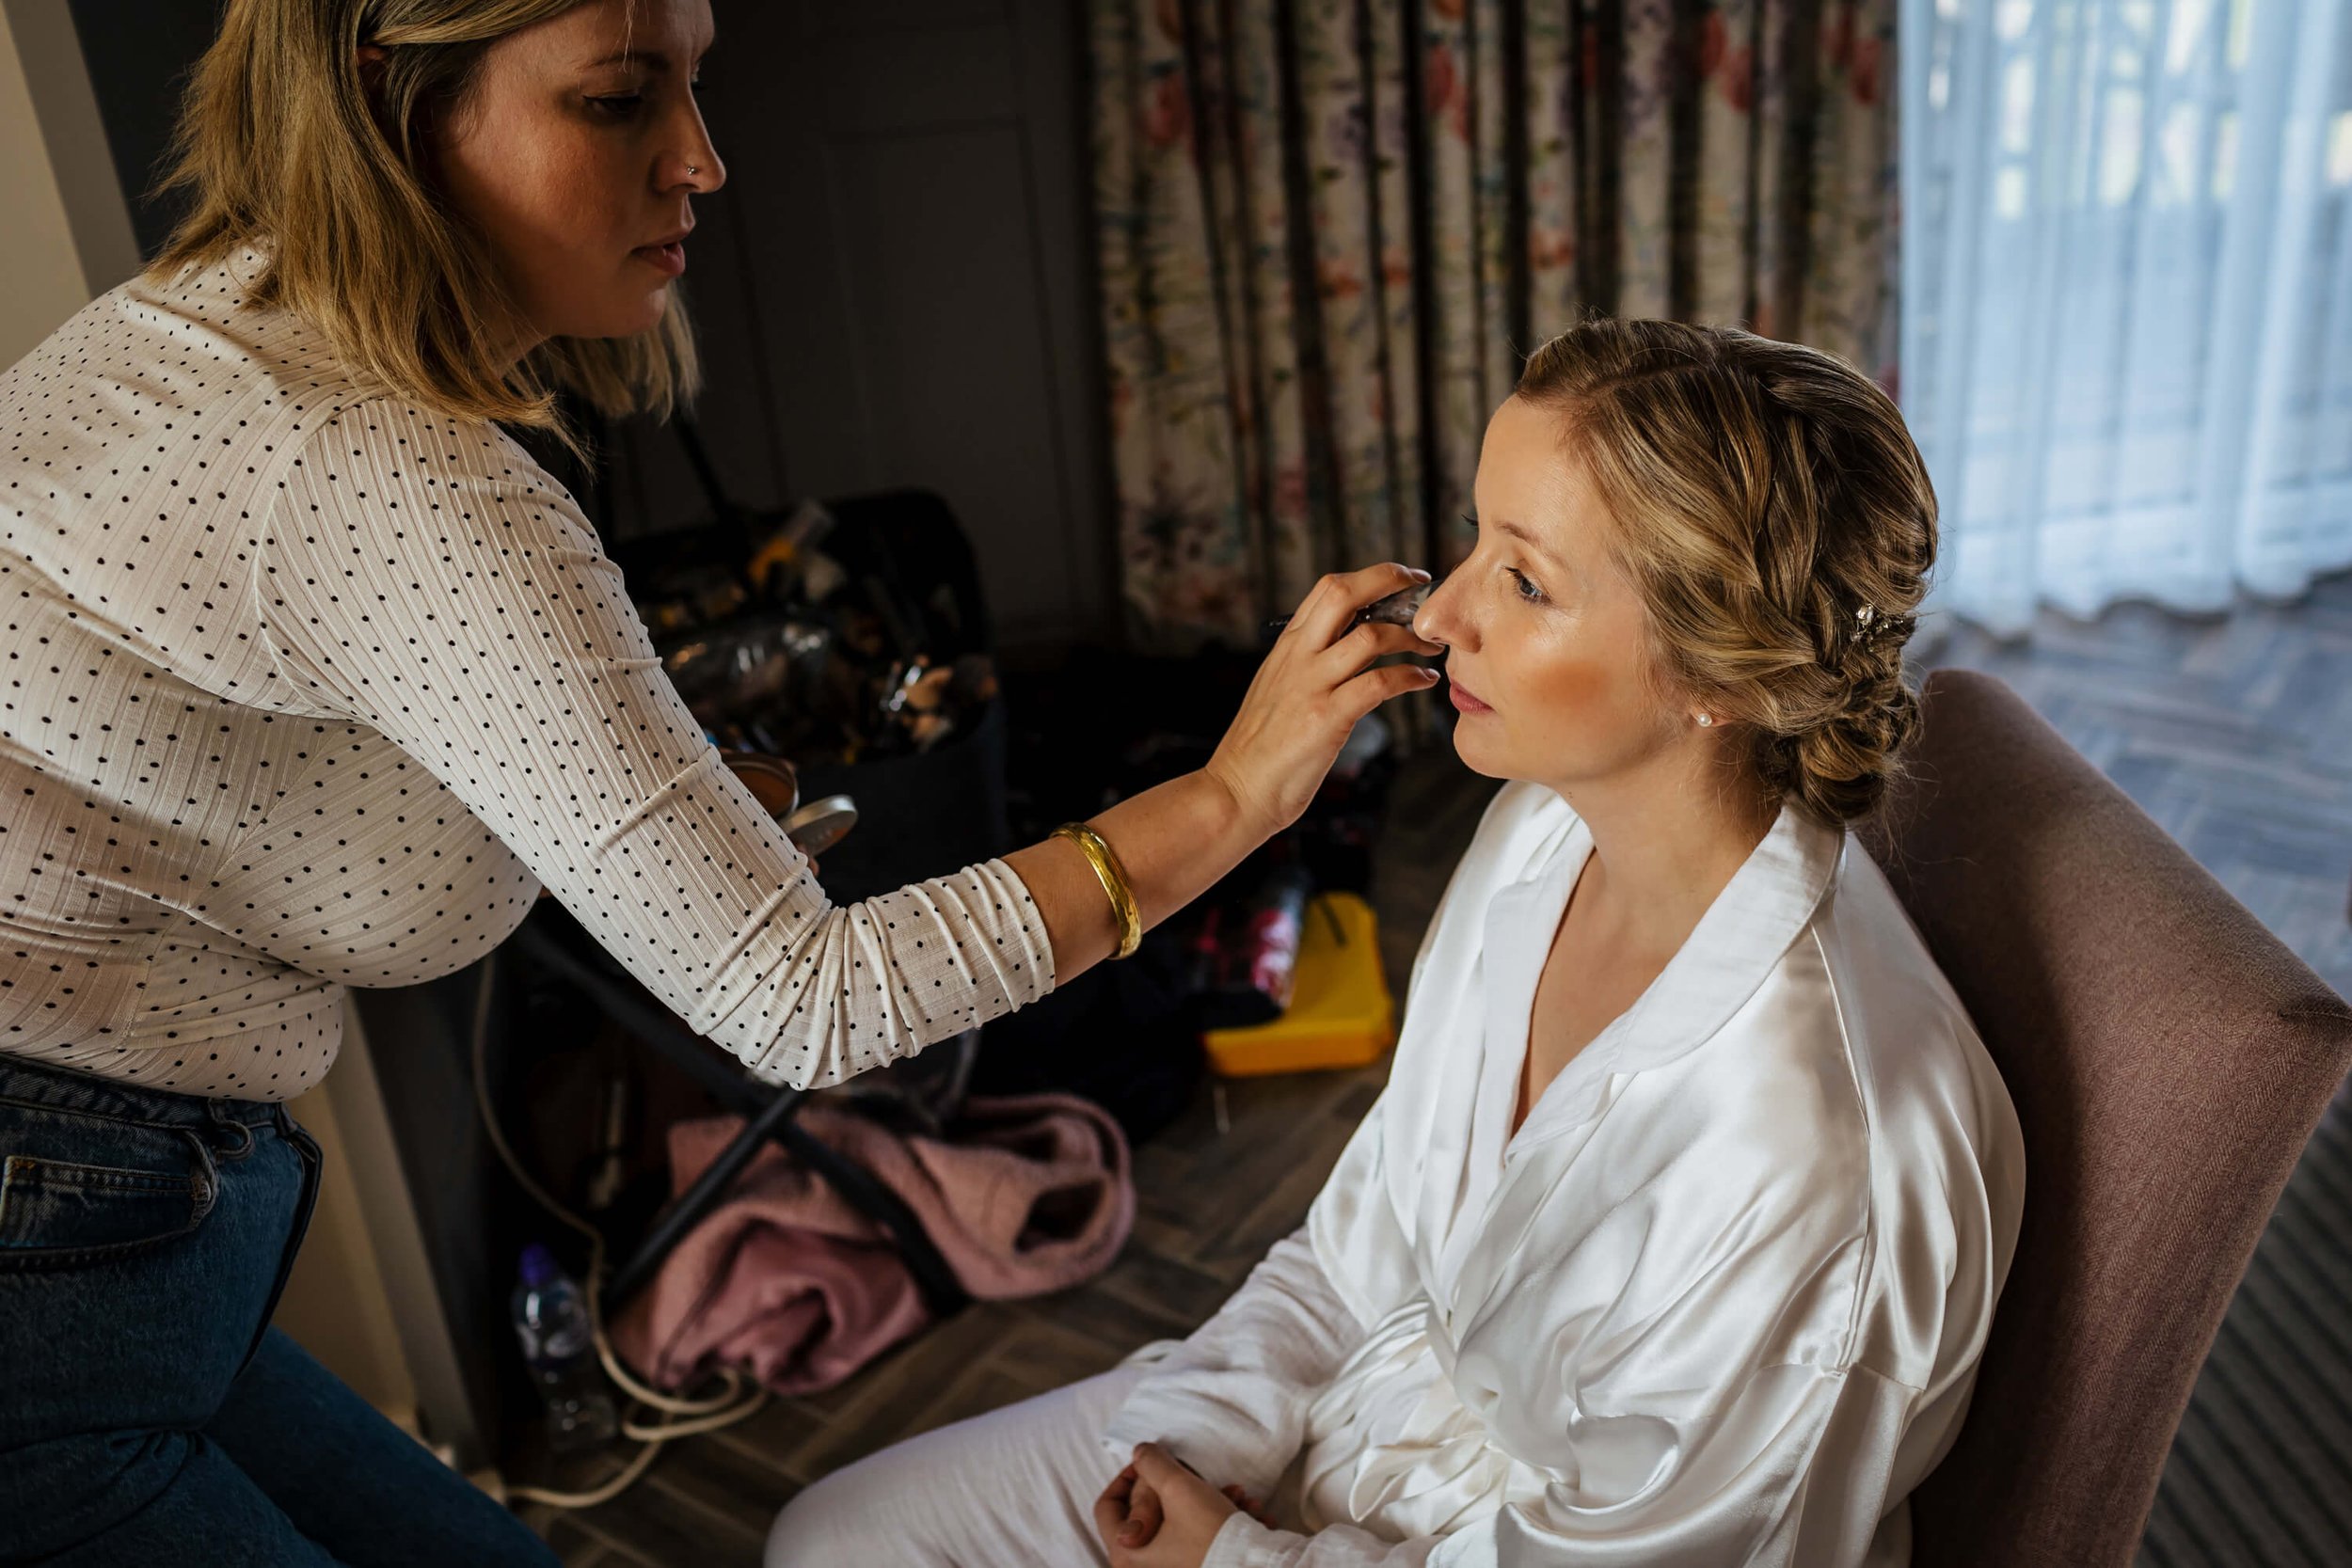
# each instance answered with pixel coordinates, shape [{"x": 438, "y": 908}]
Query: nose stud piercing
[{"x": 693, "y": 169}]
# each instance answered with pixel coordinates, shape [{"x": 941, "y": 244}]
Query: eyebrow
[
  {"x": 654, "y": 58},
  {"x": 1524, "y": 537}
]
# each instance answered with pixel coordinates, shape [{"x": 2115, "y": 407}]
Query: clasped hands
[{"x": 1158, "y": 1513}]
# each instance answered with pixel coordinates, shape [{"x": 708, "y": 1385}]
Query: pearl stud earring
[{"x": 1705, "y": 719}]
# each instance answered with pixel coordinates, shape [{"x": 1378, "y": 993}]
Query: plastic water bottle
[{"x": 551, "y": 1321}]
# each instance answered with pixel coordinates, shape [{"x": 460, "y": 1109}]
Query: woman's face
[
  {"x": 575, "y": 156},
  {"x": 1547, "y": 642}
]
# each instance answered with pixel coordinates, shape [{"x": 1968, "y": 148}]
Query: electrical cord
[{"x": 680, "y": 1417}]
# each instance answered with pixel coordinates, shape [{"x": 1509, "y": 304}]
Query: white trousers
[
  {"x": 1009, "y": 1489},
  {"x": 1014, "y": 1488}
]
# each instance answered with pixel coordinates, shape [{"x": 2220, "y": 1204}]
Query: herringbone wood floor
[{"x": 2235, "y": 731}]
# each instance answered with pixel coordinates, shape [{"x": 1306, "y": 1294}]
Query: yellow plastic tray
[{"x": 1340, "y": 1013}]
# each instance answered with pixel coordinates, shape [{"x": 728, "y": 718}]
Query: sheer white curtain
[{"x": 2127, "y": 296}]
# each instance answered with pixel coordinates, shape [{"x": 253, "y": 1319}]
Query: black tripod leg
[
  {"x": 768, "y": 1114},
  {"x": 942, "y": 1293},
  {"x": 698, "y": 1199}
]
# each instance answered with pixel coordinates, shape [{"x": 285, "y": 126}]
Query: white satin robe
[{"x": 1719, "y": 1301}]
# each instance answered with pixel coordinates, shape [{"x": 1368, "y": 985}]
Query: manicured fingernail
[{"x": 1418, "y": 574}]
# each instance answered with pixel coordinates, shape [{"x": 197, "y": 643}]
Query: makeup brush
[{"x": 1397, "y": 609}]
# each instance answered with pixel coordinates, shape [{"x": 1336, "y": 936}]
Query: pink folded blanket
[{"x": 784, "y": 1279}]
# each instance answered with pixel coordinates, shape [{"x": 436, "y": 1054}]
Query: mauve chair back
[{"x": 2169, "y": 1058}]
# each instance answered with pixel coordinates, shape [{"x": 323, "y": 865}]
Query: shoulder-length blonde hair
[{"x": 282, "y": 144}]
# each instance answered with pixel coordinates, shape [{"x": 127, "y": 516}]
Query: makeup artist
[{"x": 314, "y": 678}]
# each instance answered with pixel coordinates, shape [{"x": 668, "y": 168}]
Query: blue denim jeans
[{"x": 148, "y": 1414}]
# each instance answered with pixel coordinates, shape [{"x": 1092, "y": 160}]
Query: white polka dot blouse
[{"x": 306, "y": 686}]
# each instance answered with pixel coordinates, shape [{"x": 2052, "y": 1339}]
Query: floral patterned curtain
[{"x": 1329, "y": 229}]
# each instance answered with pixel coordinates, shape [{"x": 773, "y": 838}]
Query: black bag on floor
[{"x": 1118, "y": 1034}]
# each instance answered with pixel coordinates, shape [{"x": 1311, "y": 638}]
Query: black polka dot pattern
[{"x": 307, "y": 688}]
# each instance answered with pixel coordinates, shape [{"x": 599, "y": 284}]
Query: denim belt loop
[
  {"x": 203, "y": 1176},
  {"x": 223, "y": 1124}
]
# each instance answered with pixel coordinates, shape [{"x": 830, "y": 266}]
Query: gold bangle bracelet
[{"x": 1114, "y": 879}]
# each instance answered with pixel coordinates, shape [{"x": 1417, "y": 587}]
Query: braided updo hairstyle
[{"x": 1775, "y": 514}]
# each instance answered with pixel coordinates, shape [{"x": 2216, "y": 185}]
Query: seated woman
[{"x": 1677, "y": 1234}]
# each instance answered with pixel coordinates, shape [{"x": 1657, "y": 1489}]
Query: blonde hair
[
  {"x": 1775, "y": 516},
  {"x": 284, "y": 148}
]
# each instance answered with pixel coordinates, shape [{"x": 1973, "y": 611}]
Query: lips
[
  {"x": 667, "y": 255},
  {"x": 1464, "y": 699},
  {"x": 668, "y": 258}
]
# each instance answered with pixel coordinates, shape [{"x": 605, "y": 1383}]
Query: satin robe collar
[{"x": 1456, "y": 1079}]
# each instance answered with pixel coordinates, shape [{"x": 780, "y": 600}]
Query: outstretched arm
[{"x": 426, "y": 578}]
